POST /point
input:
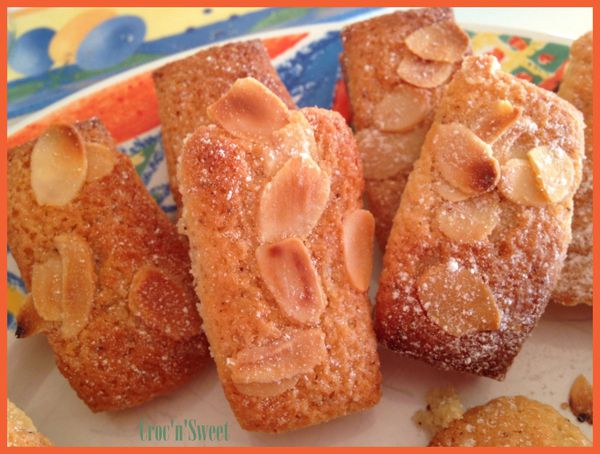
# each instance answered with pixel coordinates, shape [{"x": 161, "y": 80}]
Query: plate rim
[{"x": 310, "y": 29}]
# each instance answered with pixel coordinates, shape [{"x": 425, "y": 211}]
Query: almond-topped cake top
[
  {"x": 107, "y": 271},
  {"x": 395, "y": 67}
]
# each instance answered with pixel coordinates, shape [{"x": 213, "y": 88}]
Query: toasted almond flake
[
  {"x": 358, "y": 231},
  {"x": 266, "y": 389},
  {"x": 29, "y": 321},
  {"x": 385, "y": 154},
  {"x": 46, "y": 288},
  {"x": 295, "y": 138},
  {"x": 101, "y": 161},
  {"x": 162, "y": 304},
  {"x": 458, "y": 301},
  {"x": 292, "y": 203},
  {"x": 442, "y": 41},
  {"x": 469, "y": 220},
  {"x": 448, "y": 192},
  {"x": 581, "y": 400},
  {"x": 402, "y": 109},
  {"x": 464, "y": 160},
  {"x": 424, "y": 73},
  {"x": 249, "y": 110},
  {"x": 285, "y": 358},
  {"x": 519, "y": 184},
  {"x": 78, "y": 282},
  {"x": 58, "y": 166},
  {"x": 500, "y": 117},
  {"x": 554, "y": 171},
  {"x": 289, "y": 274}
]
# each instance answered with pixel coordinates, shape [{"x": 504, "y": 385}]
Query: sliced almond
[
  {"x": 266, "y": 389},
  {"x": 46, "y": 288},
  {"x": 424, "y": 73},
  {"x": 78, "y": 282},
  {"x": 519, "y": 184},
  {"x": 289, "y": 274},
  {"x": 385, "y": 154},
  {"x": 295, "y": 138},
  {"x": 162, "y": 304},
  {"x": 449, "y": 192},
  {"x": 554, "y": 171},
  {"x": 469, "y": 220},
  {"x": 441, "y": 41},
  {"x": 581, "y": 400},
  {"x": 464, "y": 160},
  {"x": 58, "y": 166},
  {"x": 249, "y": 110},
  {"x": 457, "y": 300},
  {"x": 296, "y": 353},
  {"x": 292, "y": 203},
  {"x": 501, "y": 116},
  {"x": 29, "y": 321},
  {"x": 402, "y": 109},
  {"x": 101, "y": 161},
  {"x": 358, "y": 231}
]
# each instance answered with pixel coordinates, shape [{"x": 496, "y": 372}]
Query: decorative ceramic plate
[{"x": 307, "y": 60}]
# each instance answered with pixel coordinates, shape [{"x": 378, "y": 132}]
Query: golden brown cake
[
  {"x": 396, "y": 67},
  {"x": 20, "y": 429},
  {"x": 281, "y": 252},
  {"x": 484, "y": 223},
  {"x": 511, "y": 421},
  {"x": 575, "y": 283},
  {"x": 185, "y": 88},
  {"x": 108, "y": 273}
]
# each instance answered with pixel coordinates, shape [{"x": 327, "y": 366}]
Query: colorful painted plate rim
[{"x": 323, "y": 28}]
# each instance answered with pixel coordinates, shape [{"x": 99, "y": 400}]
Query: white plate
[{"x": 559, "y": 349}]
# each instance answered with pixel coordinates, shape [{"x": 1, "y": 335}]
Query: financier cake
[
  {"x": 484, "y": 223},
  {"x": 396, "y": 67},
  {"x": 185, "y": 89},
  {"x": 107, "y": 272},
  {"x": 511, "y": 422},
  {"x": 282, "y": 255},
  {"x": 576, "y": 281}
]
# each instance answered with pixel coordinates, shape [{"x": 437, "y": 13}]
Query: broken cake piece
[{"x": 576, "y": 282}]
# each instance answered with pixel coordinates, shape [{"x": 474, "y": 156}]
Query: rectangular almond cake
[
  {"x": 107, "y": 272},
  {"x": 484, "y": 223},
  {"x": 282, "y": 255}
]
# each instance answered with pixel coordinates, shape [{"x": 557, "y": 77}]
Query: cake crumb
[{"x": 443, "y": 407}]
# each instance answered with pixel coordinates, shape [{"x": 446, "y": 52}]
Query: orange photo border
[{"x": 290, "y": 3}]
